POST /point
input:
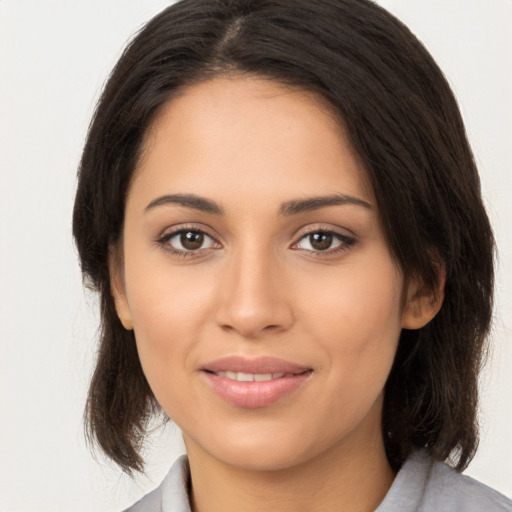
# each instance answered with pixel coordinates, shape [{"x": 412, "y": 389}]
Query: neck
[{"x": 351, "y": 477}]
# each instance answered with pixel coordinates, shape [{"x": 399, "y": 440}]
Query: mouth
[
  {"x": 254, "y": 383},
  {"x": 253, "y": 377}
]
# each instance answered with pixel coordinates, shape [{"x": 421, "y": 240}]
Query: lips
[
  {"x": 259, "y": 365},
  {"x": 250, "y": 377},
  {"x": 253, "y": 383}
]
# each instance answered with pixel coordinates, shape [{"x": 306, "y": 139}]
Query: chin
[
  {"x": 263, "y": 449},
  {"x": 254, "y": 458}
]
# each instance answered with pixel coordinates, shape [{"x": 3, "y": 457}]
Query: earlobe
[
  {"x": 125, "y": 318},
  {"x": 423, "y": 305},
  {"x": 118, "y": 289}
]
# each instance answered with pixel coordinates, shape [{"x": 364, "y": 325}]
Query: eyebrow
[
  {"x": 187, "y": 200},
  {"x": 288, "y": 208},
  {"x": 314, "y": 203}
]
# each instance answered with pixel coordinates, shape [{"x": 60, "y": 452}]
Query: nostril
[{"x": 251, "y": 314}]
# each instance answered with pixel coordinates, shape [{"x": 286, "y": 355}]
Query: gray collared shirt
[{"x": 421, "y": 485}]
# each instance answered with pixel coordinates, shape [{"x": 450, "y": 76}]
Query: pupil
[
  {"x": 191, "y": 240},
  {"x": 320, "y": 241}
]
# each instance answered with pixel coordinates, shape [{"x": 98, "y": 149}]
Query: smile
[
  {"x": 254, "y": 383},
  {"x": 251, "y": 377}
]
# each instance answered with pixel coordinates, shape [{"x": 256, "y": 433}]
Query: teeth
[
  {"x": 250, "y": 377},
  {"x": 262, "y": 376}
]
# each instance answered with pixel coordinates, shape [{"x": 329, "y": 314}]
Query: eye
[
  {"x": 185, "y": 241},
  {"x": 324, "y": 241}
]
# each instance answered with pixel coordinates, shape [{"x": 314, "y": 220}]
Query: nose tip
[
  {"x": 254, "y": 301},
  {"x": 251, "y": 324}
]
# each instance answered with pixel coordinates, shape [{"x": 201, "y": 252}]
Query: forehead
[{"x": 230, "y": 130}]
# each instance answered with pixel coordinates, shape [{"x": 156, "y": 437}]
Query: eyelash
[
  {"x": 165, "y": 239},
  {"x": 345, "y": 242}
]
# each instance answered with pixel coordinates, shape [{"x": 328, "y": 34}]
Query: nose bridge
[{"x": 254, "y": 299}]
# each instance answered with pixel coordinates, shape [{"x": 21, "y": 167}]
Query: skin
[{"x": 258, "y": 286}]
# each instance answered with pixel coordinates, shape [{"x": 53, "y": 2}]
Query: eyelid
[
  {"x": 172, "y": 231},
  {"x": 348, "y": 239},
  {"x": 187, "y": 226},
  {"x": 323, "y": 228}
]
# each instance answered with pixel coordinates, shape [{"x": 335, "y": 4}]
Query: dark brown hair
[{"x": 404, "y": 123}]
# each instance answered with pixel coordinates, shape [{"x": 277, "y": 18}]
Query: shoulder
[
  {"x": 454, "y": 491},
  {"x": 151, "y": 502},
  {"x": 425, "y": 485},
  {"x": 171, "y": 494}
]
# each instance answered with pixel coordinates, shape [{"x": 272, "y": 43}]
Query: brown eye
[
  {"x": 321, "y": 241},
  {"x": 186, "y": 241},
  {"x": 191, "y": 240},
  {"x": 324, "y": 241}
]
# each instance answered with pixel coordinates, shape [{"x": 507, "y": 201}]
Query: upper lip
[{"x": 254, "y": 365}]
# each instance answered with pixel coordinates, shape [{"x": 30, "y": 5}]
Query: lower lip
[{"x": 255, "y": 394}]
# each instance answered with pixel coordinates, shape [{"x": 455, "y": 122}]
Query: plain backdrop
[{"x": 54, "y": 58}]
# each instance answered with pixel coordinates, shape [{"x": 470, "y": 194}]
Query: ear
[
  {"x": 117, "y": 287},
  {"x": 422, "y": 305}
]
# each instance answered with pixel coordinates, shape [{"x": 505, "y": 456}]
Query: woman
[{"x": 279, "y": 207}]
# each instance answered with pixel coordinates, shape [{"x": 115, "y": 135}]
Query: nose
[{"x": 253, "y": 300}]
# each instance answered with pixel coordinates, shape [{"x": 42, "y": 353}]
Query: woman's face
[{"x": 265, "y": 303}]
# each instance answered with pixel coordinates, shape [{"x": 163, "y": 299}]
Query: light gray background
[{"x": 54, "y": 57}]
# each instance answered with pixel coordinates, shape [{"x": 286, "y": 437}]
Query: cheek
[
  {"x": 168, "y": 311},
  {"x": 362, "y": 296},
  {"x": 358, "y": 322}
]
